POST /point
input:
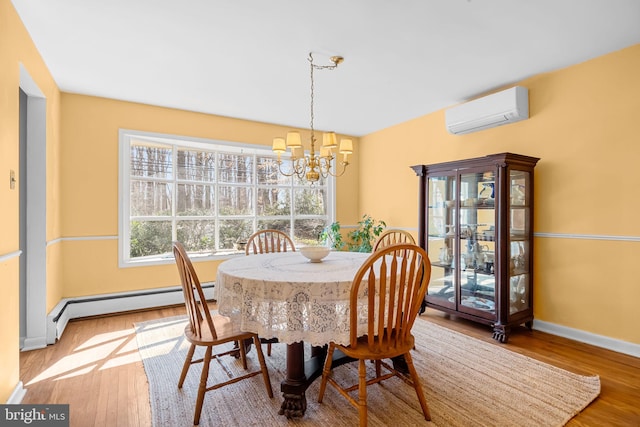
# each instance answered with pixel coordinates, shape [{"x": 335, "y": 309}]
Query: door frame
[{"x": 36, "y": 215}]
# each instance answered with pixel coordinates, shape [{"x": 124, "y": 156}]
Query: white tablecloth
[{"x": 284, "y": 296}]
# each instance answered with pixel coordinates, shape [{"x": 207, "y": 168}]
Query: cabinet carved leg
[
  {"x": 501, "y": 333},
  {"x": 529, "y": 324}
]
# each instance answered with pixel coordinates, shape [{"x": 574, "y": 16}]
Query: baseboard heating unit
[{"x": 73, "y": 308}]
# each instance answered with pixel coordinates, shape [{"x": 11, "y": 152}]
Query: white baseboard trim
[
  {"x": 17, "y": 395},
  {"x": 613, "y": 344},
  {"x": 72, "y": 308},
  {"x": 33, "y": 343}
]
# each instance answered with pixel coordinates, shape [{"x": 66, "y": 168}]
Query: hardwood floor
[{"x": 96, "y": 369}]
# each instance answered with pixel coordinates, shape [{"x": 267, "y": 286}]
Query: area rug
[{"x": 467, "y": 382}]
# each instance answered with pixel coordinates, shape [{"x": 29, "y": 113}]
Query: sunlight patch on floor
[
  {"x": 129, "y": 346},
  {"x": 75, "y": 373},
  {"x": 104, "y": 338},
  {"x": 122, "y": 360},
  {"x": 100, "y": 351}
]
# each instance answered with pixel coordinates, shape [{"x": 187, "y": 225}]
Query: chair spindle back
[
  {"x": 394, "y": 280},
  {"x": 267, "y": 241},
  {"x": 194, "y": 299}
]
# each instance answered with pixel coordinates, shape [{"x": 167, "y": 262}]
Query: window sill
[{"x": 169, "y": 259}]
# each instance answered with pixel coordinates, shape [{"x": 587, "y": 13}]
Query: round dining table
[{"x": 286, "y": 297}]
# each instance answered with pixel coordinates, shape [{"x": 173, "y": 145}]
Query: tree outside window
[{"x": 209, "y": 195}]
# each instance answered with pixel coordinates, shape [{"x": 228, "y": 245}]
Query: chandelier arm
[
  {"x": 298, "y": 167},
  {"x": 325, "y": 165},
  {"x": 283, "y": 172},
  {"x": 344, "y": 168}
]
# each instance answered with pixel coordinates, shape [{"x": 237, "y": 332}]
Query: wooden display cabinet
[{"x": 476, "y": 224}]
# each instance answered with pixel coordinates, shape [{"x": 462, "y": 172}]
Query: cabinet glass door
[
  {"x": 441, "y": 232},
  {"x": 519, "y": 244},
  {"x": 476, "y": 242}
]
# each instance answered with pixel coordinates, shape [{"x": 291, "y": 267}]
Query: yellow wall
[
  {"x": 16, "y": 47},
  {"x": 583, "y": 127},
  {"x": 89, "y": 130}
]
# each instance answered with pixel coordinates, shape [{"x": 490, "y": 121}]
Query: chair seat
[
  {"x": 226, "y": 330},
  {"x": 362, "y": 351}
]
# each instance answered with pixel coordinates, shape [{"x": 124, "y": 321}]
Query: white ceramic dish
[{"x": 314, "y": 253}]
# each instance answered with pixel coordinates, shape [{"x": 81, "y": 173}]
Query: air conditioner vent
[{"x": 501, "y": 108}]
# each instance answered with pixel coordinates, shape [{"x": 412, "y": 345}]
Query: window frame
[{"x": 124, "y": 184}]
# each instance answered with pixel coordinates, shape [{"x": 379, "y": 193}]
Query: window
[{"x": 209, "y": 195}]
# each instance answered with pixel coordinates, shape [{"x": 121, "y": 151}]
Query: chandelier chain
[
  {"x": 312, "y": 86},
  {"x": 316, "y": 67}
]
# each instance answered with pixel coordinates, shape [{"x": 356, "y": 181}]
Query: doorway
[{"x": 32, "y": 184}]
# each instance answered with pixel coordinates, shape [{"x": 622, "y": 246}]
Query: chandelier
[{"x": 315, "y": 164}]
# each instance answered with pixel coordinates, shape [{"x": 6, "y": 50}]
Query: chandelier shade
[
  {"x": 312, "y": 166},
  {"x": 293, "y": 139}
]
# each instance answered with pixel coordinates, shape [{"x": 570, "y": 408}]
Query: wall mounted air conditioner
[{"x": 500, "y": 108}]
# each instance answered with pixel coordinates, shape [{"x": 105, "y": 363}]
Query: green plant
[
  {"x": 359, "y": 240},
  {"x": 364, "y": 236},
  {"x": 331, "y": 234}
]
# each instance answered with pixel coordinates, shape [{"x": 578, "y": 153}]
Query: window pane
[
  {"x": 235, "y": 200},
  {"x": 194, "y": 199},
  {"x": 268, "y": 173},
  {"x": 308, "y": 230},
  {"x": 150, "y": 238},
  {"x": 283, "y": 225},
  {"x": 236, "y": 168},
  {"x": 235, "y": 232},
  {"x": 197, "y": 235},
  {"x": 274, "y": 201},
  {"x": 151, "y": 160},
  {"x": 196, "y": 165},
  {"x": 150, "y": 198},
  {"x": 310, "y": 200}
]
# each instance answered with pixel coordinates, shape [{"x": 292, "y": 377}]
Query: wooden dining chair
[
  {"x": 209, "y": 329},
  {"x": 267, "y": 241},
  {"x": 392, "y": 237},
  {"x": 387, "y": 291}
]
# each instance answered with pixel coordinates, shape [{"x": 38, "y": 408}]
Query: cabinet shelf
[
  {"x": 488, "y": 279},
  {"x": 441, "y": 264},
  {"x": 477, "y": 207}
]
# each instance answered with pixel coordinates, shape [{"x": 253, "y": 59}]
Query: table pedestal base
[
  {"x": 294, "y": 405},
  {"x": 301, "y": 374}
]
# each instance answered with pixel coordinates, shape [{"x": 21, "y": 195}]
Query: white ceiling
[{"x": 248, "y": 58}]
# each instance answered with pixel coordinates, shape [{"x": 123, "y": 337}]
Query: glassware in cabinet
[
  {"x": 476, "y": 242},
  {"x": 441, "y": 233}
]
